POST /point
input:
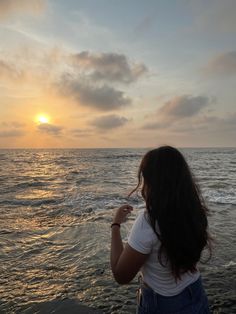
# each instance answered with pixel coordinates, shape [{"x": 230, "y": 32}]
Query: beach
[{"x": 56, "y": 209}]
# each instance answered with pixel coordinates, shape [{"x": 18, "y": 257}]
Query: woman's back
[
  {"x": 158, "y": 277},
  {"x": 174, "y": 204}
]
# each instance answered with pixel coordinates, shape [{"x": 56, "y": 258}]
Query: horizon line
[{"x": 124, "y": 147}]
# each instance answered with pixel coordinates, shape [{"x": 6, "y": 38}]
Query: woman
[{"x": 166, "y": 240}]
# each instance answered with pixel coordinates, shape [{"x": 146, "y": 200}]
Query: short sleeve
[{"x": 141, "y": 236}]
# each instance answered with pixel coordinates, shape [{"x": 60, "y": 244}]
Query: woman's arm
[{"x": 125, "y": 262}]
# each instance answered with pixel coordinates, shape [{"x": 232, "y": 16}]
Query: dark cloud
[
  {"x": 109, "y": 122},
  {"x": 11, "y": 129},
  {"x": 214, "y": 125},
  {"x": 9, "y": 7},
  {"x": 204, "y": 125},
  {"x": 50, "y": 129},
  {"x": 81, "y": 132},
  {"x": 177, "y": 109},
  {"x": 184, "y": 106},
  {"x": 222, "y": 65},
  {"x": 90, "y": 80},
  {"x": 109, "y": 67},
  {"x": 226, "y": 123},
  {"x": 103, "y": 98},
  {"x": 11, "y": 133}
]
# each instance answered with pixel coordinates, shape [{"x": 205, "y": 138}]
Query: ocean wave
[
  {"x": 122, "y": 156},
  {"x": 3, "y": 157},
  {"x": 212, "y": 151},
  {"x": 25, "y": 185},
  {"x": 220, "y": 196},
  {"x": 222, "y": 200},
  {"x": 29, "y": 202},
  {"x": 229, "y": 264}
]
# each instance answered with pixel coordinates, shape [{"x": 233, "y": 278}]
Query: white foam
[{"x": 230, "y": 264}]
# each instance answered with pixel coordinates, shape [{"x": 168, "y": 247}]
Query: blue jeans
[{"x": 191, "y": 300}]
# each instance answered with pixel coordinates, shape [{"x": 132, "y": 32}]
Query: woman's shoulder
[
  {"x": 142, "y": 237},
  {"x": 142, "y": 218},
  {"x": 143, "y": 224}
]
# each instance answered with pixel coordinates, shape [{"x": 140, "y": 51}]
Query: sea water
[{"x": 56, "y": 207}]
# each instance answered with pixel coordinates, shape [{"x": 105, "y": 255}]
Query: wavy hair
[{"x": 174, "y": 204}]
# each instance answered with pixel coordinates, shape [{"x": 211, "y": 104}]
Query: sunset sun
[{"x": 42, "y": 119}]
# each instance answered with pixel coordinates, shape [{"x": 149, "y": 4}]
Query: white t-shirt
[{"x": 143, "y": 239}]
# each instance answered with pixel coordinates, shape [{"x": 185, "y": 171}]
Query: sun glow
[{"x": 42, "y": 119}]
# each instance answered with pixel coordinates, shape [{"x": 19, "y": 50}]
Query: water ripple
[{"x": 56, "y": 208}]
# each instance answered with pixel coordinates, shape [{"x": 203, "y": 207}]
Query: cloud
[
  {"x": 81, "y": 132},
  {"x": 184, "y": 106},
  {"x": 222, "y": 65},
  {"x": 103, "y": 97},
  {"x": 11, "y": 133},
  {"x": 154, "y": 125},
  {"x": 111, "y": 67},
  {"x": 11, "y": 129},
  {"x": 21, "y": 73},
  {"x": 207, "y": 126},
  {"x": 176, "y": 109},
  {"x": 109, "y": 122},
  {"x": 226, "y": 123},
  {"x": 90, "y": 77},
  {"x": 8, "y": 72},
  {"x": 14, "y": 124},
  {"x": 10, "y": 7},
  {"x": 174, "y": 119},
  {"x": 50, "y": 129},
  {"x": 214, "y": 126},
  {"x": 91, "y": 83}
]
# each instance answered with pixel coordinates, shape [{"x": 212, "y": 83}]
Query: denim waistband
[
  {"x": 191, "y": 300},
  {"x": 188, "y": 291}
]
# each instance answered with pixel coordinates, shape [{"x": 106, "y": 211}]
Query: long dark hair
[{"x": 174, "y": 202}]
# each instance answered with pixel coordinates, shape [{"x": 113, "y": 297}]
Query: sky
[{"x": 117, "y": 73}]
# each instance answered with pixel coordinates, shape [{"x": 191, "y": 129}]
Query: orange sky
[{"x": 152, "y": 79}]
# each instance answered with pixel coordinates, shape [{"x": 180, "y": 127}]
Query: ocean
[{"x": 56, "y": 206}]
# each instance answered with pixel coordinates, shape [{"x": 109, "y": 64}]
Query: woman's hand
[{"x": 121, "y": 214}]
